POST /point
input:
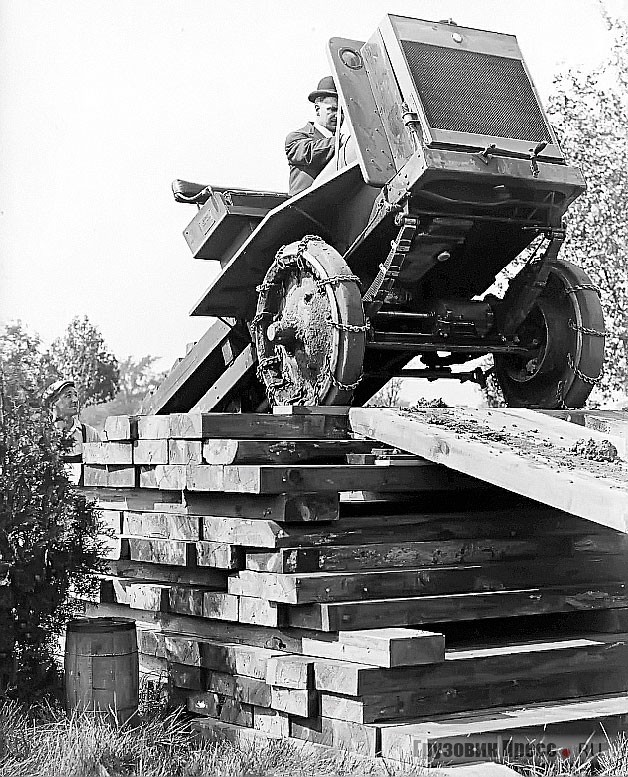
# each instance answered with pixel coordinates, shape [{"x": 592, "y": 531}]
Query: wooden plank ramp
[
  {"x": 222, "y": 359},
  {"x": 291, "y": 578},
  {"x": 583, "y": 472}
]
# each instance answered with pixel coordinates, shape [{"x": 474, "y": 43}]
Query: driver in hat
[{"x": 310, "y": 148}]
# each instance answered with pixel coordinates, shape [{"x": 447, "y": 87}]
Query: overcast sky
[{"x": 104, "y": 102}]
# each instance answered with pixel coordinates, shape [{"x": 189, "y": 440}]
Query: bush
[{"x": 48, "y": 533}]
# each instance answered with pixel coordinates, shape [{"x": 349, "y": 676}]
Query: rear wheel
[
  {"x": 565, "y": 332},
  {"x": 309, "y": 329}
]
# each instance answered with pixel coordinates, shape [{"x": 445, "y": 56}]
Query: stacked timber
[{"x": 291, "y": 579}]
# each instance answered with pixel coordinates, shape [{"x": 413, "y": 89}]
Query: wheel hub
[
  {"x": 305, "y": 356},
  {"x": 565, "y": 330}
]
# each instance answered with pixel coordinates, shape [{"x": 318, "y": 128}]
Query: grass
[
  {"x": 43, "y": 741},
  {"x": 613, "y": 762}
]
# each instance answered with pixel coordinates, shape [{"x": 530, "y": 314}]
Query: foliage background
[
  {"x": 49, "y": 533},
  {"x": 589, "y": 111}
]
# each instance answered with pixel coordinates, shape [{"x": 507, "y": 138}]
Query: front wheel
[
  {"x": 309, "y": 329},
  {"x": 565, "y": 333}
]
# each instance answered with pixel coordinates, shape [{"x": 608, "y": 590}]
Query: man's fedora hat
[
  {"x": 51, "y": 394},
  {"x": 326, "y": 88}
]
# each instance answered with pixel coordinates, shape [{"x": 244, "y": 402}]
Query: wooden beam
[
  {"x": 311, "y": 410},
  {"x": 257, "y": 533},
  {"x": 185, "y": 452},
  {"x": 413, "y": 611},
  {"x": 151, "y": 642},
  {"x": 386, "y": 647},
  {"x": 473, "y": 666},
  {"x": 108, "y": 452},
  {"x": 300, "y": 702},
  {"x": 260, "y": 612},
  {"x": 161, "y": 525},
  {"x": 271, "y": 723},
  {"x": 281, "y": 451},
  {"x": 164, "y": 573},
  {"x": 283, "y": 508},
  {"x": 291, "y": 671},
  {"x": 257, "y": 426},
  {"x": 278, "y": 639},
  {"x": 153, "y": 427},
  {"x": 539, "y": 428},
  {"x": 109, "y": 476},
  {"x": 247, "y": 690},
  {"x": 132, "y": 498},
  {"x": 157, "y": 551},
  {"x": 557, "y": 529},
  {"x": 166, "y": 477},
  {"x": 221, "y": 606},
  {"x": 229, "y": 382},
  {"x": 428, "y": 581},
  {"x": 342, "y": 735},
  {"x": 560, "y": 481},
  {"x": 538, "y": 722},
  {"x": 273, "y": 478},
  {"x": 120, "y": 427},
  {"x": 245, "y": 660},
  {"x": 149, "y": 596},
  {"x": 404, "y": 553},
  {"x": 185, "y": 676},
  {"x": 188, "y": 381},
  {"x": 540, "y": 685},
  {"x": 186, "y": 600},
  {"x": 221, "y": 555},
  {"x": 150, "y": 452},
  {"x": 182, "y": 651}
]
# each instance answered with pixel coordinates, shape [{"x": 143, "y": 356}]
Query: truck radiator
[{"x": 484, "y": 94}]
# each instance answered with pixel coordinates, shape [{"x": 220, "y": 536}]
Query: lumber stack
[{"x": 293, "y": 580}]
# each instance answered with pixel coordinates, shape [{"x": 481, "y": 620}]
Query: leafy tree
[
  {"x": 21, "y": 351},
  {"x": 48, "y": 531},
  {"x": 590, "y": 113},
  {"x": 82, "y": 354},
  {"x": 389, "y": 395},
  {"x": 137, "y": 379}
]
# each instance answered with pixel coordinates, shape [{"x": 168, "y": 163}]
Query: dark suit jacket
[{"x": 308, "y": 151}]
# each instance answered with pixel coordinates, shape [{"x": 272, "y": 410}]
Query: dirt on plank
[
  {"x": 597, "y": 451},
  {"x": 599, "y": 459}
]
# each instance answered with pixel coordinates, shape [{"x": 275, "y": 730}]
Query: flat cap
[{"x": 54, "y": 389}]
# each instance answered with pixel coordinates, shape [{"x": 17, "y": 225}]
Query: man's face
[
  {"x": 327, "y": 112},
  {"x": 67, "y": 404}
]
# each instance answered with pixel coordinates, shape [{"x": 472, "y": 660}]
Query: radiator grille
[{"x": 466, "y": 91}]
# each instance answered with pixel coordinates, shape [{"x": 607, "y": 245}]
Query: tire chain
[
  {"x": 581, "y": 375},
  {"x": 583, "y": 287},
  {"x": 282, "y": 263},
  {"x": 585, "y": 330}
]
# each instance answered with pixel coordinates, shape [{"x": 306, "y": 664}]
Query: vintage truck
[{"x": 446, "y": 171}]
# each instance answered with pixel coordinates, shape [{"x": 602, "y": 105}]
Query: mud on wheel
[
  {"x": 309, "y": 329},
  {"x": 565, "y": 333}
]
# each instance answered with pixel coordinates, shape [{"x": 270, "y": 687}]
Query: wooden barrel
[{"x": 101, "y": 667}]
